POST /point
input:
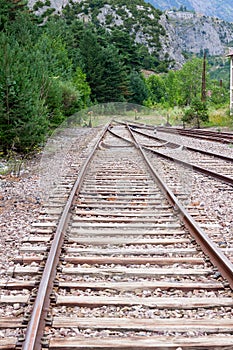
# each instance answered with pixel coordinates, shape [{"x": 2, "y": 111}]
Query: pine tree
[
  {"x": 114, "y": 75},
  {"x": 137, "y": 89},
  {"x": 9, "y": 9},
  {"x": 92, "y": 59},
  {"x": 127, "y": 48},
  {"x": 23, "y": 121}
]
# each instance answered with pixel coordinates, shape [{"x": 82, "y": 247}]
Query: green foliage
[
  {"x": 172, "y": 87},
  {"x": 197, "y": 113},
  {"x": 39, "y": 85},
  {"x": 23, "y": 121},
  {"x": 70, "y": 98},
  {"x": 127, "y": 48},
  {"x": 182, "y": 88},
  {"x": 219, "y": 69},
  {"x": 178, "y": 88},
  {"x": 114, "y": 75},
  {"x": 190, "y": 81},
  {"x": 156, "y": 87},
  {"x": 105, "y": 69},
  {"x": 138, "y": 89},
  {"x": 136, "y": 17},
  {"x": 56, "y": 57},
  {"x": 218, "y": 94},
  {"x": 48, "y": 12},
  {"x": 38, "y": 5},
  {"x": 9, "y": 9},
  {"x": 92, "y": 55},
  {"x": 24, "y": 30},
  {"x": 79, "y": 81},
  {"x": 50, "y": 72}
]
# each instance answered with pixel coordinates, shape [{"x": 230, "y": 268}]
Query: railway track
[
  {"x": 213, "y": 164},
  {"x": 222, "y": 137},
  {"x": 184, "y": 171},
  {"x": 119, "y": 265}
]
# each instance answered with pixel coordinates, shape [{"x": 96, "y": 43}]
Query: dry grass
[{"x": 217, "y": 118}]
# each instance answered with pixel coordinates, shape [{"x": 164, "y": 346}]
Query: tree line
[
  {"x": 51, "y": 69},
  {"x": 184, "y": 88}
]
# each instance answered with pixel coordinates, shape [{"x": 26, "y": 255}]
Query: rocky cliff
[
  {"x": 173, "y": 34},
  {"x": 214, "y": 8},
  {"x": 195, "y": 33}
]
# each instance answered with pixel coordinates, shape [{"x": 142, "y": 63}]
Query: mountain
[
  {"x": 196, "y": 33},
  {"x": 172, "y": 35},
  {"x": 222, "y": 9},
  {"x": 140, "y": 19},
  {"x": 41, "y": 6}
]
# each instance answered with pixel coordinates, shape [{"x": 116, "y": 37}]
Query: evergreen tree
[
  {"x": 147, "y": 61},
  {"x": 104, "y": 69},
  {"x": 9, "y": 9},
  {"x": 55, "y": 56},
  {"x": 127, "y": 48},
  {"x": 25, "y": 30},
  {"x": 68, "y": 33},
  {"x": 114, "y": 76},
  {"x": 61, "y": 96},
  {"x": 92, "y": 60},
  {"x": 137, "y": 89},
  {"x": 23, "y": 121}
]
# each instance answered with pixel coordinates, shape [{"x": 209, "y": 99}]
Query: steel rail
[
  {"x": 215, "y": 255},
  {"x": 209, "y": 132},
  {"x": 226, "y": 179},
  {"x": 173, "y": 129},
  {"x": 36, "y": 324},
  {"x": 137, "y": 125},
  {"x": 220, "y": 156},
  {"x": 167, "y": 143},
  {"x": 200, "y": 131},
  {"x": 208, "y": 135}
]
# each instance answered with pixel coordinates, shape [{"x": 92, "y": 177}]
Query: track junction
[{"x": 120, "y": 260}]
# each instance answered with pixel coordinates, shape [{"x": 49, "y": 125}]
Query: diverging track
[
  {"x": 211, "y": 164},
  {"x": 126, "y": 268}
]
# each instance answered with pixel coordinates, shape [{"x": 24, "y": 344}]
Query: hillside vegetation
[
  {"x": 168, "y": 36},
  {"x": 50, "y": 70}
]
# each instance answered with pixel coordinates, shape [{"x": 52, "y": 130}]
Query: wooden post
[
  {"x": 231, "y": 82},
  {"x": 203, "y": 88}
]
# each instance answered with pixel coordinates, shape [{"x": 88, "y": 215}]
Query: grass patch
[{"x": 220, "y": 118}]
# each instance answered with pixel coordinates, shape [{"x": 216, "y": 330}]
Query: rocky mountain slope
[
  {"x": 215, "y": 8},
  {"x": 172, "y": 34},
  {"x": 54, "y": 4},
  {"x": 196, "y": 33}
]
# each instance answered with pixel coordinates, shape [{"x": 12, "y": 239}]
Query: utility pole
[
  {"x": 203, "y": 87},
  {"x": 231, "y": 81}
]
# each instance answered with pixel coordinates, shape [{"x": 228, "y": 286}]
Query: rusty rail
[
  {"x": 202, "y": 134},
  {"x": 210, "y": 248},
  {"x": 220, "y": 156},
  {"x": 36, "y": 325},
  {"x": 226, "y": 179}
]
